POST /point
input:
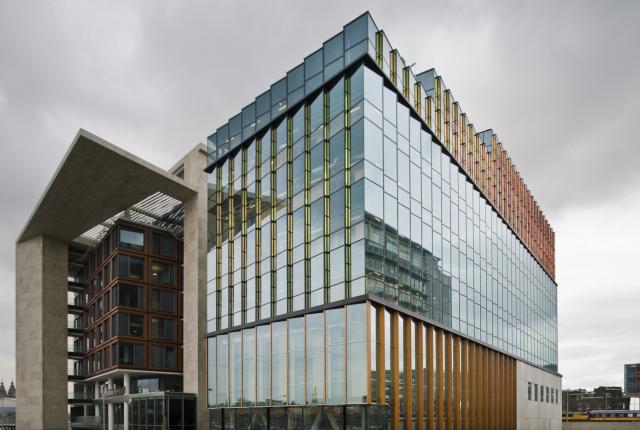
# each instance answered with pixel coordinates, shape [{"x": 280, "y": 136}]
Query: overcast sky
[{"x": 557, "y": 81}]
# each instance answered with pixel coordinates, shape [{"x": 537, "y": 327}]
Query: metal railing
[
  {"x": 116, "y": 391},
  {"x": 87, "y": 420},
  {"x": 74, "y": 345},
  {"x": 80, "y": 396},
  {"x": 75, "y": 299},
  {"x": 74, "y": 322},
  {"x": 72, "y": 370}
]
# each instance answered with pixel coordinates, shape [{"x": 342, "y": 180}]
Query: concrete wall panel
[
  {"x": 41, "y": 333},
  {"x": 537, "y": 415}
]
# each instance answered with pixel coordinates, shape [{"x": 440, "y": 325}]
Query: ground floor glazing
[{"x": 357, "y": 365}]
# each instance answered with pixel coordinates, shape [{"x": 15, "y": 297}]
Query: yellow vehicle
[
  {"x": 614, "y": 415},
  {"x": 575, "y": 416}
]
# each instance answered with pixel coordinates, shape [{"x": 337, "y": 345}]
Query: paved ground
[{"x": 601, "y": 426}]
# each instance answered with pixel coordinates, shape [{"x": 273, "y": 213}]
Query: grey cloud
[{"x": 556, "y": 81}]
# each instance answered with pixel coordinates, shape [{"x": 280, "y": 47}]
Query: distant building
[
  {"x": 4, "y": 393},
  {"x": 7, "y": 404},
  {"x": 632, "y": 378},
  {"x": 601, "y": 398}
]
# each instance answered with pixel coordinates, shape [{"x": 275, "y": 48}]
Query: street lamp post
[{"x": 103, "y": 411}]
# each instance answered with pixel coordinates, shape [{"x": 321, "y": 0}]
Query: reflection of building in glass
[
  {"x": 406, "y": 273},
  {"x": 632, "y": 378},
  {"x": 360, "y": 227}
]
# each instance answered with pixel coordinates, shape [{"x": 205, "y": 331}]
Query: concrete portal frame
[{"x": 95, "y": 181}]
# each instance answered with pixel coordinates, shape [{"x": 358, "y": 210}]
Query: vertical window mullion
[
  {"x": 243, "y": 240},
  {"x": 258, "y": 235},
  {"x": 307, "y": 208},
  {"x": 274, "y": 237},
  {"x": 289, "y": 215},
  {"x": 218, "y": 243},
  {"x": 326, "y": 215},
  {"x": 347, "y": 187}
]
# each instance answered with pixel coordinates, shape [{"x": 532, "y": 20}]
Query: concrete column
[
  {"x": 41, "y": 333},
  {"x": 96, "y": 396},
  {"x": 127, "y": 390},
  {"x": 195, "y": 277},
  {"x": 85, "y": 390},
  {"x": 110, "y": 407}
]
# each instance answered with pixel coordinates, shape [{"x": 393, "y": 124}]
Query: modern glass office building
[
  {"x": 632, "y": 378},
  {"x": 374, "y": 262}
]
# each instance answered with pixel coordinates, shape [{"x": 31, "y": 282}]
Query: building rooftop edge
[{"x": 432, "y": 87}]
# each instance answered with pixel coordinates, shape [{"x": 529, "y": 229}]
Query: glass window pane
[
  {"x": 163, "y": 328},
  {"x": 279, "y": 362},
  {"x": 133, "y": 239},
  {"x": 263, "y": 357},
  {"x": 336, "y": 99},
  {"x": 296, "y": 361},
  {"x": 163, "y": 273},
  {"x": 333, "y": 49},
  {"x": 356, "y": 31},
  {"x": 373, "y": 201},
  {"x": 373, "y": 143},
  {"x": 248, "y": 366},
  {"x": 337, "y": 266},
  {"x": 222, "y": 377},
  {"x": 336, "y": 153},
  {"x": 373, "y": 87},
  {"x": 357, "y": 86},
  {"x": 315, "y": 358},
  {"x": 357, "y": 202},
  {"x": 211, "y": 371},
  {"x": 335, "y": 355},
  {"x": 313, "y": 64},
  {"x": 357, "y": 142},
  {"x": 317, "y": 218},
  {"x": 235, "y": 366},
  {"x": 317, "y": 164}
]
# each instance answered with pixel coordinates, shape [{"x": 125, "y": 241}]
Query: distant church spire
[
  {"x": 12, "y": 390},
  {"x": 3, "y": 392}
]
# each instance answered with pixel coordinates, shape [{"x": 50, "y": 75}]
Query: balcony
[
  {"x": 86, "y": 422},
  {"x": 75, "y": 285},
  {"x": 80, "y": 398},
  {"x": 113, "y": 392},
  {"x": 74, "y": 348},
  {"x": 75, "y": 326},
  {"x": 75, "y": 299},
  {"x": 74, "y": 373}
]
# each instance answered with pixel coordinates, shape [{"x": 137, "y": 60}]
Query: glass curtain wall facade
[
  {"x": 342, "y": 231},
  {"x": 632, "y": 378},
  {"x": 359, "y": 365}
]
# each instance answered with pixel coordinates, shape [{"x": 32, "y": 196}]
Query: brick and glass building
[
  {"x": 374, "y": 261},
  {"x": 110, "y": 294},
  {"x": 125, "y": 314}
]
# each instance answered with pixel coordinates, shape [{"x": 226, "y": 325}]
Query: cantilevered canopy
[
  {"x": 159, "y": 210},
  {"x": 97, "y": 180}
]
